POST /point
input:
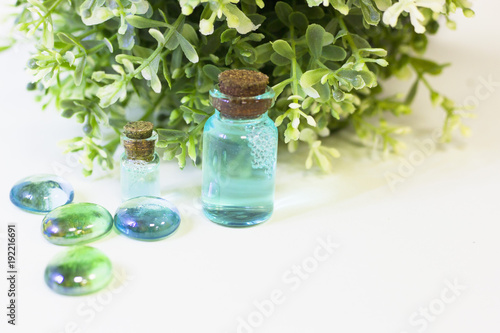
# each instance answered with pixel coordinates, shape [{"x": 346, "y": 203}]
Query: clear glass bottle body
[
  {"x": 140, "y": 177},
  {"x": 239, "y": 166}
]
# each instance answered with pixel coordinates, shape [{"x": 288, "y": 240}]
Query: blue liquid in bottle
[
  {"x": 140, "y": 164},
  {"x": 140, "y": 178},
  {"x": 239, "y": 162}
]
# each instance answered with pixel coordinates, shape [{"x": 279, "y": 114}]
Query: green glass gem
[
  {"x": 41, "y": 193},
  {"x": 78, "y": 271},
  {"x": 76, "y": 224}
]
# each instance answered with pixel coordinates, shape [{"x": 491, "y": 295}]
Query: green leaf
[
  {"x": 228, "y": 35},
  {"x": 338, "y": 96},
  {"x": 352, "y": 77},
  {"x": 291, "y": 133},
  {"x": 256, "y": 19},
  {"x": 187, "y": 48},
  {"x": 172, "y": 43},
  {"x": 370, "y": 13},
  {"x": 39, "y": 5},
  {"x": 311, "y": 92},
  {"x": 155, "y": 83},
  {"x": 427, "y": 66},
  {"x": 191, "y": 145},
  {"x": 468, "y": 12},
  {"x": 163, "y": 15},
  {"x": 333, "y": 53},
  {"x": 369, "y": 78},
  {"x": 190, "y": 34},
  {"x": 383, "y": 4},
  {"x": 79, "y": 71},
  {"x": 332, "y": 26},
  {"x": 5, "y": 47},
  {"x": 309, "y": 160},
  {"x": 412, "y": 93},
  {"x": 166, "y": 73},
  {"x": 382, "y": 62},
  {"x": 100, "y": 114},
  {"x": 299, "y": 20},
  {"x": 108, "y": 44},
  {"x": 283, "y": 49},
  {"x": 314, "y": 37},
  {"x": 182, "y": 156},
  {"x": 68, "y": 39},
  {"x": 111, "y": 93},
  {"x": 186, "y": 108},
  {"x": 279, "y": 120},
  {"x": 283, "y": 11},
  {"x": 328, "y": 39},
  {"x": 171, "y": 134},
  {"x": 170, "y": 153},
  {"x": 263, "y": 53},
  {"x": 375, "y": 51},
  {"x": 436, "y": 98},
  {"x": 279, "y": 60},
  {"x": 68, "y": 113},
  {"x": 162, "y": 144},
  {"x": 308, "y": 135},
  {"x": 310, "y": 78},
  {"x": 278, "y": 89},
  {"x": 340, "y": 5},
  {"x": 360, "y": 42},
  {"x": 126, "y": 40},
  {"x": 254, "y": 37},
  {"x": 341, "y": 33},
  {"x": 157, "y": 35},
  {"x": 322, "y": 160},
  {"x": 145, "y": 23},
  {"x": 212, "y": 72},
  {"x": 94, "y": 13},
  {"x": 324, "y": 92}
]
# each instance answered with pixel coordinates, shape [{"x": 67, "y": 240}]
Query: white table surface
[{"x": 398, "y": 250}]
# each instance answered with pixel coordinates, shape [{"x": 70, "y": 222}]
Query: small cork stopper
[
  {"x": 137, "y": 147},
  {"x": 138, "y": 129},
  {"x": 242, "y": 83}
]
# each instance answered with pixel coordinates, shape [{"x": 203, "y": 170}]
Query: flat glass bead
[
  {"x": 41, "y": 193},
  {"x": 76, "y": 223},
  {"x": 78, "y": 271},
  {"x": 147, "y": 218}
]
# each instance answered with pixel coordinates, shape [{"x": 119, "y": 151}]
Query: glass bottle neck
[
  {"x": 241, "y": 107},
  {"x": 240, "y": 120},
  {"x": 140, "y": 149}
]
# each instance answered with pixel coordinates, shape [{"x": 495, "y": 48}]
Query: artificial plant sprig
[{"x": 105, "y": 62}]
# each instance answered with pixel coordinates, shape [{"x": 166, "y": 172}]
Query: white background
[{"x": 398, "y": 250}]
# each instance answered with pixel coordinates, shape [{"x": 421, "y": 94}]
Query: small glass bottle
[
  {"x": 140, "y": 172},
  {"x": 240, "y": 144}
]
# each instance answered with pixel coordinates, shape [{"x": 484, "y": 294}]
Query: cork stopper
[
  {"x": 139, "y": 140},
  {"x": 239, "y": 86},
  {"x": 242, "y": 83},
  {"x": 138, "y": 130}
]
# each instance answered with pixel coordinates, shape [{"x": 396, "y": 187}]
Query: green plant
[{"x": 104, "y": 62}]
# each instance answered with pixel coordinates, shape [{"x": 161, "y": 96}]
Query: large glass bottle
[
  {"x": 140, "y": 172},
  {"x": 239, "y": 151}
]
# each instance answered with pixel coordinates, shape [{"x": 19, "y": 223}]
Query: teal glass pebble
[
  {"x": 76, "y": 223},
  {"x": 78, "y": 271},
  {"x": 41, "y": 193},
  {"x": 147, "y": 218}
]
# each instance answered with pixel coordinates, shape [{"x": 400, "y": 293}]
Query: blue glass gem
[
  {"x": 76, "y": 223},
  {"x": 78, "y": 271},
  {"x": 41, "y": 193},
  {"x": 147, "y": 218}
]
